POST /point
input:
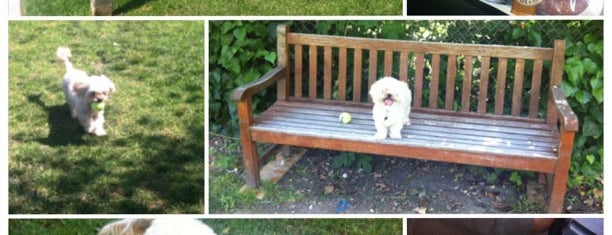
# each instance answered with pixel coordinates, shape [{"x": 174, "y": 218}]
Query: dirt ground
[{"x": 406, "y": 186}]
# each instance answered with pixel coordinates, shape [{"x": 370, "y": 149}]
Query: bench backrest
[{"x": 449, "y": 76}]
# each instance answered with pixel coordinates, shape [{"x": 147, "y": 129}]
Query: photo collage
[{"x": 349, "y": 117}]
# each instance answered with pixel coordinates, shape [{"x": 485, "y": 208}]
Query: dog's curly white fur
[
  {"x": 81, "y": 90},
  {"x": 165, "y": 226},
  {"x": 391, "y": 111}
]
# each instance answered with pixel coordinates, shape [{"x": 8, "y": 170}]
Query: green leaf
[
  {"x": 583, "y": 96},
  {"x": 589, "y": 38},
  {"x": 517, "y": 33},
  {"x": 535, "y": 37},
  {"x": 596, "y": 83},
  {"x": 568, "y": 89},
  {"x": 574, "y": 69},
  {"x": 590, "y": 128},
  {"x": 598, "y": 94},
  {"x": 516, "y": 178},
  {"x": 271, "y": 57},
  {"x": 596, "y": 48},
  {"x": 590, "y": 159},
  {"x": 589, "y": 66},
  {"x": 240, "y": 34}
]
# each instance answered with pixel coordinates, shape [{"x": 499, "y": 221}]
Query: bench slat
[
  {"x": 484, "y": 85},
  {"x": 417, "y": 92},
  {"x": 357, "y": 75},
  {"x": 327, "y": 74},
  {"x": 342, "y": 73},
  {"x": 517, "y": 91},
  {"x": 388, "y": 63},
  {"x": 403, "y": 75},
  {"x": 373, "y": 75},
  {"x": 451, "y": 73},
  {"x": 542, "y": 132},
  {"x": 422, "y": 47},
  {"x": 534, "y": 99},
  {"x": 501, "y": 85},
  {"x": 467, "y": 84},
  {"x": 312, "y": 82},
  {"x": 435, "y": 81},
  {"x": 298, "y": 71},
  {"x": 420, "y": 130}
]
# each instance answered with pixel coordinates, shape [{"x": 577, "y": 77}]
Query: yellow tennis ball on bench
[{"x": 345, "y": 118}]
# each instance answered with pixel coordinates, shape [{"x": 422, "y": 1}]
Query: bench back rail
[{"x": 346, "y": 67}]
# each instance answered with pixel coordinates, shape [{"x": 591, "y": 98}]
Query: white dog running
[
  {"x": 166, "y": 226},
  {"x": 81, "y": 91},
  {"x": 392, "y": 99}
]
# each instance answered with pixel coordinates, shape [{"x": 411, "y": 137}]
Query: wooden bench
[{"x": 477, "y": 126}]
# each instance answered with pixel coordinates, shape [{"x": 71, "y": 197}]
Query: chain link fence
[{"x": 501, "y": 32}]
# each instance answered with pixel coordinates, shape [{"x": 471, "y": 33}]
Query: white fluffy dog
[
  {"x": 167, "y": 226},
  {"x": 81, "y": 91},
  {"x": 392, "y": 99}
]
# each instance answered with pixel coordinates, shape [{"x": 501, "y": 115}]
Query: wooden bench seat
[
  {"x": 523, "y": 123},
  {"x": 517, "y": 145}
]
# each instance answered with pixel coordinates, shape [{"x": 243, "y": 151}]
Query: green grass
[
  {"x": 224, "y": 226},
  {"x": 217, "y": 7},
  {"x": 55, "y": 226},
  {"x": 152, "y": 160},
  {"x": 225, "y": 185}
]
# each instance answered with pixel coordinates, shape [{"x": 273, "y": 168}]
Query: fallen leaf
[
  {"x": 420, "y": 210},
  {"x": 328, "y": 189}
]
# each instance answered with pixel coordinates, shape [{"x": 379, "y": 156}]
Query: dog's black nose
[{"x": 389, "y": 95}]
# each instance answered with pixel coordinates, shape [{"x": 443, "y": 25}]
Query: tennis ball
[
  {"x": 345, "y": 118},
  {"x": 98, "y": 106}
]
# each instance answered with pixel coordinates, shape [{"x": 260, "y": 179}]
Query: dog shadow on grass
[
  {"x": 63, "y": 129},
  {"x": 130, "y": 6},
  {"x": 171, "y": 171}
]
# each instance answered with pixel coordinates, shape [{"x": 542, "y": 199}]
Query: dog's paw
[
  {"x": 99, "y": 132},
  {"x": 379, "y": 136},
  {"x": 407, "y": 122},
  {"x": 395, "y": 135}
]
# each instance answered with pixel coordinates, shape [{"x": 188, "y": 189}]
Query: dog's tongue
[{"x": 388, "y": 102}]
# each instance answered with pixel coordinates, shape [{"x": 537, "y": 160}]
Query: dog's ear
[
  {"x": 375, "y": 90},
  {"x": 80, "y": 88},
  {"x": 111, "y": 85},
  {"x": 139, "y": 226}
]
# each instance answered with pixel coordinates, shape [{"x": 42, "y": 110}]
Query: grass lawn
[
  {"x": 225, "y": 226},
  {"x": 217, "y": 7},
  {"x": 152, "y": 160}
]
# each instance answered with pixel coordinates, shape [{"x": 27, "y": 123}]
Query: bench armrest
[
  {"x": 247, "y": 91},
  {"x": 568, "y": 119}
]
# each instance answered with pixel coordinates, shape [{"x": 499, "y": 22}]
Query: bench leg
[
  {"x": 251, "y": 163},
  {"x": 559, "y": 181},
  {"x": 250, "y": 157},
  {"x": 557, "y": 193}
]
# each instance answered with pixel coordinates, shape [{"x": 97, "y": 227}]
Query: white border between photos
[{"x": 4, "y": 121}]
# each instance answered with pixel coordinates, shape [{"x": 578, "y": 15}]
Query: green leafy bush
[
  {"x": 239, "y": 53},
  {"x": 584, "y": 89}
]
